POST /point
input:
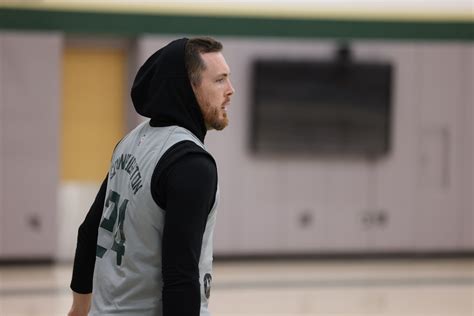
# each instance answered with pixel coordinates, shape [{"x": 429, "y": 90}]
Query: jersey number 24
[{"x": 110, "y": 224}]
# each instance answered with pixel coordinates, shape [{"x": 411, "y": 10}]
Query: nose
[{"x": 230, "y": 90}]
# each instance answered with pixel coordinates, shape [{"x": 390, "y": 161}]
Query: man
[{"x": 145, "y": 246}]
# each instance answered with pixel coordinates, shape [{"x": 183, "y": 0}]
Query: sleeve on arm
[
  {"x": 190, "y": 192},
  {"x": 84, "y": 259}
]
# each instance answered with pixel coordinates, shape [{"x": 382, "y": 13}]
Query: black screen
[{"x": 325, "y": 107}]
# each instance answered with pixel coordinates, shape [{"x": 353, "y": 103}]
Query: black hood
[{"x": 162, "y": 91}]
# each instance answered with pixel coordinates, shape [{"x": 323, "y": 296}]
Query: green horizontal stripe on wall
[{"x": 136, "y": 23}]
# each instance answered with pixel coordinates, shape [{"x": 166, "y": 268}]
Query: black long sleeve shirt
[{"x": 184, "y": 184}]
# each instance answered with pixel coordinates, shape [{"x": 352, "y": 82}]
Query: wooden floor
[{"x": 351, "y": 288}]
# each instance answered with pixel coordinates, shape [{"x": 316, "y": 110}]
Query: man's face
[{"x": 214, "y": 91}]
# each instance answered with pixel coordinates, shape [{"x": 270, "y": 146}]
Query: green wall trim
[{"x": 133, "y": 24}]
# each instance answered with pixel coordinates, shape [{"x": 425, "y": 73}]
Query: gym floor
[{"x": 441, "y": 287}]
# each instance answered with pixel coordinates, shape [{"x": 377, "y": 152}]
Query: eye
[{"x": 220, "y": 80}]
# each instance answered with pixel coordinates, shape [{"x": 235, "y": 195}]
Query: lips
[{"x": 225, "y": 105}]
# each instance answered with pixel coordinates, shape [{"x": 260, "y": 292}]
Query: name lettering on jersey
[{"x": 128, "y": 163}]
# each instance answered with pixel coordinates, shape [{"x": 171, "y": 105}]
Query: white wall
[{"x": 264, "y": 199}]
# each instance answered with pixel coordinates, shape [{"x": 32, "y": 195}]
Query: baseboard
[
  {"x": 5, "y": 262},
  {"x": 345, "y": 256},
  {"x": 342, "y": 256}
]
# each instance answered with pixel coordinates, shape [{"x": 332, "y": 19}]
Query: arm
[
  {"x": 190, "y": 192},
  {"x": 81, "y": 303},
  {"x": 84, "y": 260}
]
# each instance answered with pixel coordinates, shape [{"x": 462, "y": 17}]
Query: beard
[{"x": 216, "y": 118}]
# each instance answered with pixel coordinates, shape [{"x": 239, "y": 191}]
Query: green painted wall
[{"x": 132, "y": 24}]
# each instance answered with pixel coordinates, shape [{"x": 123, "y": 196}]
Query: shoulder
[
  {"x": 185, "y": 152},
  {"x": 184, "y": 161}
]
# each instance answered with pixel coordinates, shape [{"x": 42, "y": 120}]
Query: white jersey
[{"x": 127, "y": 277}]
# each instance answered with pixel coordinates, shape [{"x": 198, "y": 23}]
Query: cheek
[
  {"x": 215, "y": 93},
  {"x": 209, "y": 96},
  {"x": 212, "y": 97}
]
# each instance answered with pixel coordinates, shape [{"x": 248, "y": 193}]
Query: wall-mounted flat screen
[{"x": 321, "y": 107}]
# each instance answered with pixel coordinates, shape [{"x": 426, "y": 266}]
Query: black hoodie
[
  {"x": 184, "y": 183},
  {"x": 162, "y": 91}
]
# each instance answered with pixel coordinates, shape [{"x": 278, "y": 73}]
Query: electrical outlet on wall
[
  {"x": 376, "y": 218},
  {"x": 305, "y": 218}
]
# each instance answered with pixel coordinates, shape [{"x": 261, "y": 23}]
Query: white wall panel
[
  {"x": 74, "y": 201},
  {"x": 30, "y": 121},
  {"x": 467, "y": 166},
  {"x": 440, "y": 99},
  {"x": 305, "y": 204},
  {"x": 347, "y": 188},
  {"x": 392, "y": 179}
]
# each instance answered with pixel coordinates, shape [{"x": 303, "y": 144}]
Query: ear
[{"x": 194, "y": 87}]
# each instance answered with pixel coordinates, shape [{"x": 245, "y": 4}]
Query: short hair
[{"x": 192, "y": 56}]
